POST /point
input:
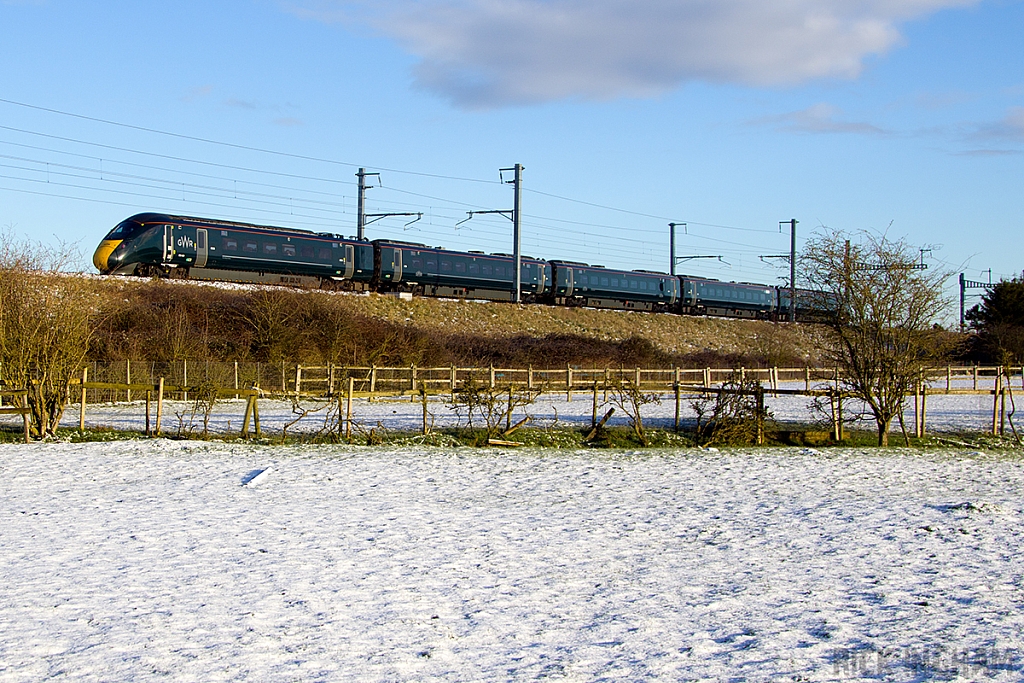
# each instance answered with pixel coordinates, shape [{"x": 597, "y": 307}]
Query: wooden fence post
[
  {"x": 490, "y": 381},
  {"x": 759, "y": 398},
  {"x": 452, "y": 377},
  {"x": 995, "y": 404},
  {"x": 593, "y": 414},
  {"x": 975, "y": 369},
  {"x": 159, "y": 405},
  {"x": 236, "y": 379},
  {"x": 348, "y": 408},
  {"x": 638, "y": 379},
  {"x": 677, "y": 406},
  {"x": 924, "y": 410},
  {"x": 426, "y": 425},
  {"x": 807, "y": 378},
  {"x": 247, "y": 416},
  {"x": 373, "y": 380},
  {"x": 949, "y": 377},
  {"x": 256, "y": 414},
  {"x": 412, "y": 380},
  {"x": 128, "y": 378},
  {"x": 149, "y": 398},
  {"x": 529, "y": 377},
  {"x": 81, "y": 412},
  {"x": 298, "y": 380},
  {"x": 330, "y": 379},
  {"x": 568, "y": 383}
]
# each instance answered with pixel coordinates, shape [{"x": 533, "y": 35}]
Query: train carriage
[
  {"x": 705, "y": 296},
  {"x": 579, "y": 284},
  {"x": 431, "y": 271}
]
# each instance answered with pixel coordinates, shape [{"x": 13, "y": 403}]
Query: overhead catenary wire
[{"x": 559, "y": 240}]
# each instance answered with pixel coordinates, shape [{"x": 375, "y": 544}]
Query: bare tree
[
  {"x": 630, "y": 399},
  {"x": 883, "y": 305},
  {"x": 46, "y": 321}
]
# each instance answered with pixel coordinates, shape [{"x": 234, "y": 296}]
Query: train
[{"x": 183, "y": 247}]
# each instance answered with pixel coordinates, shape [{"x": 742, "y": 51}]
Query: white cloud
[
  {"x": 820, "y": 118},
  {"x": 486, "y": 53}
]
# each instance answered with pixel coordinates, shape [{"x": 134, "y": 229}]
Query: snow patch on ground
[{"x": 147, "y": 560}]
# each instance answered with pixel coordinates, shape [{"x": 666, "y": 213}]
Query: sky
[{"x": 731, "y": 116}]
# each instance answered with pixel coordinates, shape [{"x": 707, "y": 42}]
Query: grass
[{"x": 562, "y": 438}]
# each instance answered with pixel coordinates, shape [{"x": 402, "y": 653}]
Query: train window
[
  {"x": 460, "y": 267},
  {"x": 474, "y": 268},
  {"x": 269, "y": 248},
  {"x": 249, "y": 246},
  {"x": 446, "y": 266},
  {"x": 416, "y": 264},
  {"x": 431, "y": 265},
  {"x": 230, "y": 245},
  {"x": 487, "y": 269},
  {"x": 604, "y": 282},
  {"x": 307, "y": 251},
  {"x": 615, "y": 282},
  {"x": 632, "y": 284},
  {"x": 288, "y": 249},
  {"x": 643, "y": 284},
  {"x": 324, "y": 254}
]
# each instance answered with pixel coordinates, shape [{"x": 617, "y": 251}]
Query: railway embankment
[{"x": 170, "y": 320}]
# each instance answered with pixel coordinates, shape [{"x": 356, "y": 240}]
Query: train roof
[{"x": 150, "y": 217}]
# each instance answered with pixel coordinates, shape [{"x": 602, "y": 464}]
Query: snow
[
  {"x": 151, "y": 560},
  {"x": 945, "y": 413}
]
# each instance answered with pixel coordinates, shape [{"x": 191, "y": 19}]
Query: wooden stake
[
  {"x": 924, "y": 410},
  {"x": 247, "y": 416},
  {"x": 677, "y": 406},
  {"x": 128, "y": 378},
  {"x": 593, "y": 432},
  {"x": 348, "y": 408},
  {"x": 568, "y": 383},
  {"x": 298, "y": 379},
  {"x": 159, "y": 405},
  {"x": 149, "y": 398},
  {"x": 256, "y": 414},
  {"x": 81, "y": 413},
  {"x": 373, "y": 381},
  {"x": 426, "y": 425}
]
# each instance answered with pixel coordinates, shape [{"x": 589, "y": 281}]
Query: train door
[
  {"x": 168, "y": 243},
  {"x": 202, "y": 248},
  {"x": 349, "y": 261},
  {"x": 570, "y": 283},
  {"x": 398, "y": 266}
]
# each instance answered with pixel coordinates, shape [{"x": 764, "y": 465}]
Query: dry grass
[{"x": 217, "y": 321}]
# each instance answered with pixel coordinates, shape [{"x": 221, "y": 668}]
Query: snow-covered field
[{"x": 152, "y": 560}]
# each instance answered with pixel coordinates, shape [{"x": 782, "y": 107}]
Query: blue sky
[{"x": 729, "y": 115}]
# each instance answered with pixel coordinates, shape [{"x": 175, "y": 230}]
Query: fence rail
[{"x": 122, "y": 380}]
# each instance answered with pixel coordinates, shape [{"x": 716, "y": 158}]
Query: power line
[{"x": 233, "y": 145}]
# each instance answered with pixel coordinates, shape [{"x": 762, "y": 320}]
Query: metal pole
[
  {"x": 792, "y": 271},
  {"x": 963, "y": 300},
  {"x": 517, "y": 236},
  {"x": 672, "y": 249},
  {"x": 361, "y": 210}
]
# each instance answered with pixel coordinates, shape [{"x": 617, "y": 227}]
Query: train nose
[{"x": 101, "y": 258}]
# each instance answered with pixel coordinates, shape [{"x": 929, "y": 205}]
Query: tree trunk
[{"x": 883, "y": 432}]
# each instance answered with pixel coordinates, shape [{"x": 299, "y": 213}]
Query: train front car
[
  {"x": 160, "y": 245},
  {"x": 579, "y": 284},
  {"x": 133, "y": 243}
]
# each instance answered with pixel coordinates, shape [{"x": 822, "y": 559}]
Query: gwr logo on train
[{"x": 186, "y": 241}]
